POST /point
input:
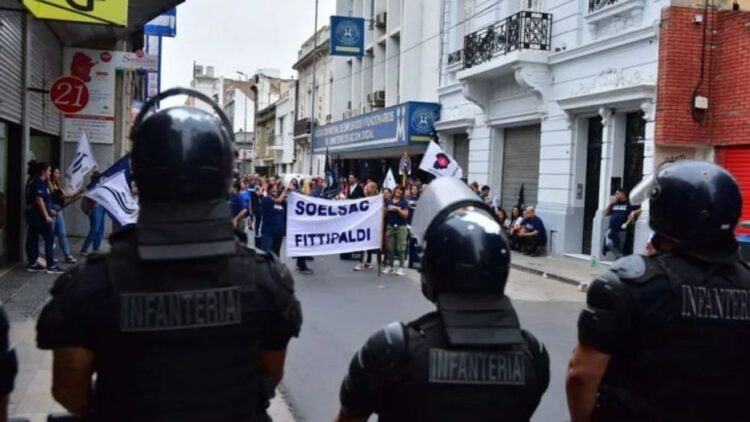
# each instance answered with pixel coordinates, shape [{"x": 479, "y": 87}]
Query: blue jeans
[
  {"x": 39, "y": 227},
  {"x": 61, "y": 234},
  {"x": 616, "y": 242},
  {"x": 272, "y": 243},
  {"x": 96, "y": 231}
]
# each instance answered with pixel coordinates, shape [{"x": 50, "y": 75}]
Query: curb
[{"x": 557, "y": 277}]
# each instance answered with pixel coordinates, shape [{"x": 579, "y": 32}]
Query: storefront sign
[
  {"x": 324, "y": 227},
  {"x": 105, "y": 12},
  {"x": 69, "y": 94},
  {"x": 97, "y": 69},
  {"x": 164, "y": 25},
  {"x": 347, "y": 36},
  {"x": 396, "y": 126}
]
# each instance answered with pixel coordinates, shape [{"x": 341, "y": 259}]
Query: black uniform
[
  {"x": 676, "y": 325},
  {"x": 178, "y": 313},
  {"x": 174, "y": 340},
  {"x": 469, "y": 361},
  {"x": 678, "y": 331},
  {"x": 415, "y": 373},
  {"x": 8, "y": 363}
]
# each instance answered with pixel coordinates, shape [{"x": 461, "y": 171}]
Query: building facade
[
  {"x": 283, "y": 140},
  {"x": 312, "y": 55},
  {"x": 552, "y": 104},
  {"x": 33, "y": 53},
  {"x": 373, "y": 92}
]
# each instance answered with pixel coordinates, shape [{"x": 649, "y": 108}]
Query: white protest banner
[
  {"x": 115, "y": 196},
  {"x": 440, "y": 163},
  {"x": 83, "y": 163},
  {"x": 322, "y": 227},
  {"x": 390, "y": 181}
]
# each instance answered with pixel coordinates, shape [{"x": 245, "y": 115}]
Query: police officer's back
[
  {"x": 470, "y": 360},
  {"x": 665, "y": 337},
  {"x": 8, "y": 365},
  {"x": 179, "y": 321}
]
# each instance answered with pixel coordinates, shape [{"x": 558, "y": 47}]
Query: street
[{"x": 342, "y": 308}]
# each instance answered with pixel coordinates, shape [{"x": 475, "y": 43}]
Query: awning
[
  {"x": 74, "y": 34},
  {"x": 399, "y": 126}
]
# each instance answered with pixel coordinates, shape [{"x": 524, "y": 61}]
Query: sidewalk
[
  {"x": 567, "y": 269},
  {"x": 23, "y": 295}
]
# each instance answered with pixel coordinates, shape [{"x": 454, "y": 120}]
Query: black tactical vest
[
  {"x": 182, "y": 343},
  {"x": 688, "y": 360},
  {"x": 449, "y": 381}
]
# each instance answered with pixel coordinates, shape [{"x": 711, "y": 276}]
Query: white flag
[
  {"x": 440, "y": 163},
  {"x": 115, "y": 196},
  {"x": 83, "y": 163},
  {"x": 390, "y": 181}
]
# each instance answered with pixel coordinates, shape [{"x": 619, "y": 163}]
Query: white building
[
  {"x": 283, "y": 140},
  {"x": 207, "y": 83},
  {"x": 309, "y": 57},
  {"x": 400, "y": 66},
  {"x": 554, "y": 96}
]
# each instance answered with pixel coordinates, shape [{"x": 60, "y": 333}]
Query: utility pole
[
  {"x": 244, "y": 127},
  {"x": 314, "y": 87}
]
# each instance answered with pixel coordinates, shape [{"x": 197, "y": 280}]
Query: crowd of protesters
[{"x": 258, "y": 205}]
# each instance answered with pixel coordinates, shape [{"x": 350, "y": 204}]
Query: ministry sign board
[{"x": 400, "y": 125}]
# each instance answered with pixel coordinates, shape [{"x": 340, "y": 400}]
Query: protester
[
  {"x": 237, "y": 204},
  {"x": 318, "y": 189},
  {"x": 484, "y": 194},
  {"x": 371, "y": 189},
  {"x": 515, "y": 228},
  {"x": 59, "y": 198},
  {"x": 621, "y": 216},
  {"x": 273, "y": 212},
  {"x": 96, "y": 221},
  {"x": 502, "y": 216},
  {"x": 533, "y": 235},
  {"x": 302, "y": 267},
  {"x": 397, "y": 209},
  {"x": 40, "y": 219},
  {"x": 355, "y": 188},
  {"x": 474, "y": 186},
  {"x": 412, "y": 196}
]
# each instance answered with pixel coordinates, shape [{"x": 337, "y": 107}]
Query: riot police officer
[
  {"x": 665, "y": 337},
  {"x": 179, "y": 321},
  {"x": 470, "y": 360},
  {"x": 8, "y": 365}
]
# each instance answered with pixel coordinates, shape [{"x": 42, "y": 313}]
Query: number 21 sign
[{"x": 69, "y": 94}]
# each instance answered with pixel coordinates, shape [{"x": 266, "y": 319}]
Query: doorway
[
  {"x": 593, "y": 170},
  {"x": 635, "y": 134}
]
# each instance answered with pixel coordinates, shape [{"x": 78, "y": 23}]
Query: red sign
[{"x": 69, "y": 94}]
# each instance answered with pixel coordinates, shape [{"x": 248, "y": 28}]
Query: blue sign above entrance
[
  {"x": 347, "y": 36},
  {"x": 397, "y": 126}
]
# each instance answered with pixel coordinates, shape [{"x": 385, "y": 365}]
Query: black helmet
[
  {"x": 696, "y": 203},
  {"x": 463, "y": 246},
  {"x": 182, "y": 154}
]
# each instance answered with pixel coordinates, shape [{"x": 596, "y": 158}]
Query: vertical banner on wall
[
  {"x": 153, "y": 80},
  {"x": 347, "y": 36},
  {"x": 323, "y": 227}
]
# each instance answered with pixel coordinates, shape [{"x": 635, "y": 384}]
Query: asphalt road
[{"x": 342, "y": 308}]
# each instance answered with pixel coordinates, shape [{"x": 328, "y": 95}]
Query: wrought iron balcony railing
[
  {"x": 455, "y": 57},
  {"x": 595, "y": 5},
  {"x": 523, "y": 31},
  {"x": 302, "y": 126}
]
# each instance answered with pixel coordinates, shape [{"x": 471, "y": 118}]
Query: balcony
[
  {"x": 302, "y": 127},
  {"x": 455, "y": 57},
  {"x": 595, "y": 5},
  {"x": 523, "y": 31}
]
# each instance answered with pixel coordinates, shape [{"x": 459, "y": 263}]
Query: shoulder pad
[
  {"x": 385, "y": 351},
  {"x": 635, "y": 269},
  {"x": 606, "y": 292}
]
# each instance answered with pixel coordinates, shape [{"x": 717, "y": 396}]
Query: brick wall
[{"x": 726, "y": 80}]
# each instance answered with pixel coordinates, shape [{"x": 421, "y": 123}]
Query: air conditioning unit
[
  {"x": 378, "y": 98},
  {"x": 381, "y": 19}
]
